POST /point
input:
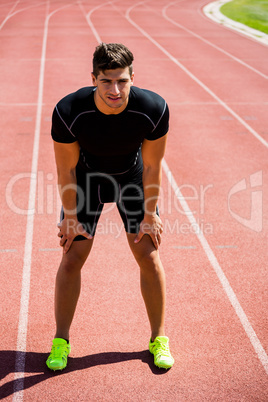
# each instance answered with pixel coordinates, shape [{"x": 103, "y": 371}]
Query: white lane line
[
  {"x": 226, "y": 246},
  {"x": 219, "y": 272},
  {"x": 26, "y": 273},
  {"x": 164, "y": 12},
  {"x": 9, "y": 14},
  {"x": 185, "y": 247},
  {"x": 50, "y": 249},
  {"x": 194, "y": 78},
  {"x": 88, "y": 17},
  {"x": 19, "y": 11}
]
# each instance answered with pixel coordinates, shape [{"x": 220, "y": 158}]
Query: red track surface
[{"x": 215, "y": 82}]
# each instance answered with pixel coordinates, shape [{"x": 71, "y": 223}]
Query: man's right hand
[{"x": 69, "y": 228}]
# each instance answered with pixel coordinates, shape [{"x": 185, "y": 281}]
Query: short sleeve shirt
[{"x": 109, "y": 143}]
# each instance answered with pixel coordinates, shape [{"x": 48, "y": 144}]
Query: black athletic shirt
[{"x": 109, "y": 143}]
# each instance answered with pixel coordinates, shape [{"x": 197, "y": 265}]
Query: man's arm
[
  {"x": 67, "y": 156},
  {"x": 152, "y": 155}
]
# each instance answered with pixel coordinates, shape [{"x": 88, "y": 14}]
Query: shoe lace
[
  {"x": 162, "y": 348},
  {"x": 57, "y": 351}
]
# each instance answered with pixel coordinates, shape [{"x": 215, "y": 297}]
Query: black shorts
[{"x": 94, "y": 189}]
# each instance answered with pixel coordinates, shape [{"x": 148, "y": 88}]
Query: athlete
[{"x": 109, "y": 141}]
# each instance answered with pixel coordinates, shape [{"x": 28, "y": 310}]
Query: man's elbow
[{"x": 66, "y": 174}]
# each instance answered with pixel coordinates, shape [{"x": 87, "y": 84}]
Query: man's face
[{"x": 113, "y": 87}]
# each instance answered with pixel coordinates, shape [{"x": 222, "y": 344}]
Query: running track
[{"x": 215, "y": 176}]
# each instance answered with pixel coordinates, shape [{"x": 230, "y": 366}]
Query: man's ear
[
  {"x": 132, "y": 78},
  {"x": 94, "y": 80}
]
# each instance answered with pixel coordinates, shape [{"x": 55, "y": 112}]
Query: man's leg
[
  {"x": 153, "y": 288},
  {"x": 68, "y": 283},
  {"x": 67, "y": 292},
  {"x": 152, "y": 281}
]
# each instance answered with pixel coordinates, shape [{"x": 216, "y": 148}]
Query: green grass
[{"x": 253, "y": 13}]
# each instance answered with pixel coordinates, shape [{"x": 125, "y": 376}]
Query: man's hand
[
  {"x": 153, "y": 226},
  {"x": 68, "y": 230}
]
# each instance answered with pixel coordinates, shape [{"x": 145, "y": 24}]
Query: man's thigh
[
  {"x": 89, "y": 204},
  {"x": 131, "y": 204}
]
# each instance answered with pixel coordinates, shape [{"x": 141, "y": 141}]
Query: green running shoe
[
  {"x": 160, "y": 349},
  {"x": 57, "y": 360}
]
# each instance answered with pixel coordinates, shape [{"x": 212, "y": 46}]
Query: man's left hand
[{"x": 153, "y": 226}]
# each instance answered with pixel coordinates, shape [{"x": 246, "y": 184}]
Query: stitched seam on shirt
[
  {"x": 134, "y": 111},
  {"x": 160, "y": 117},
  {"x": 100, "y": 202},
  {"x": 120, "y": 194},
  {"x": 64, "y": 122},
  {"x": 116, "y": 174},
  {"x": 88, "y": 111}
]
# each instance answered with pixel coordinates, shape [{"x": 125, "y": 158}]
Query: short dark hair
[{"x": 109, "y": 56}]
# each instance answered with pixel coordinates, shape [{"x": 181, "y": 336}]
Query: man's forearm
[
  {"x": 151, "y": 185},
  {"x": 67, "y": 184}
]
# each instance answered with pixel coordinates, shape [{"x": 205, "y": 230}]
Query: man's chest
[{"x": 111, "y": 135}]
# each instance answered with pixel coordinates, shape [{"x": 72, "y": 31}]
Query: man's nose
[{"x": 115, "y": 89}]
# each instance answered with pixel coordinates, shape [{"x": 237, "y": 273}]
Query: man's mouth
[{"x": 114, "y": 98}]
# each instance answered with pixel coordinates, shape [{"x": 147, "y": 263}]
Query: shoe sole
[
  {"x": 163, "y": 367},
  {"x": 55, "y": 368}
]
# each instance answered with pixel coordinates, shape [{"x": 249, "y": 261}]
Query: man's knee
[
  {"x": 76, "y": 256},
  {"x": 148, "y": 259},
  {"x": 71, "y": 264}
]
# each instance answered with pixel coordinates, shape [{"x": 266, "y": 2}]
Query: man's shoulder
[
  {"x": 76, "y": 102},
  {"x": 146, "y": 101},
  {"x": 151, "y": 106}
]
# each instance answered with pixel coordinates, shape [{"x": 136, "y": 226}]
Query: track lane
[
  {"x": 170, "y": 18},
  {"x": 27, "y": 261},
  {"x": 18, "y": 120},
  {"x": 218, "y": 36}
]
